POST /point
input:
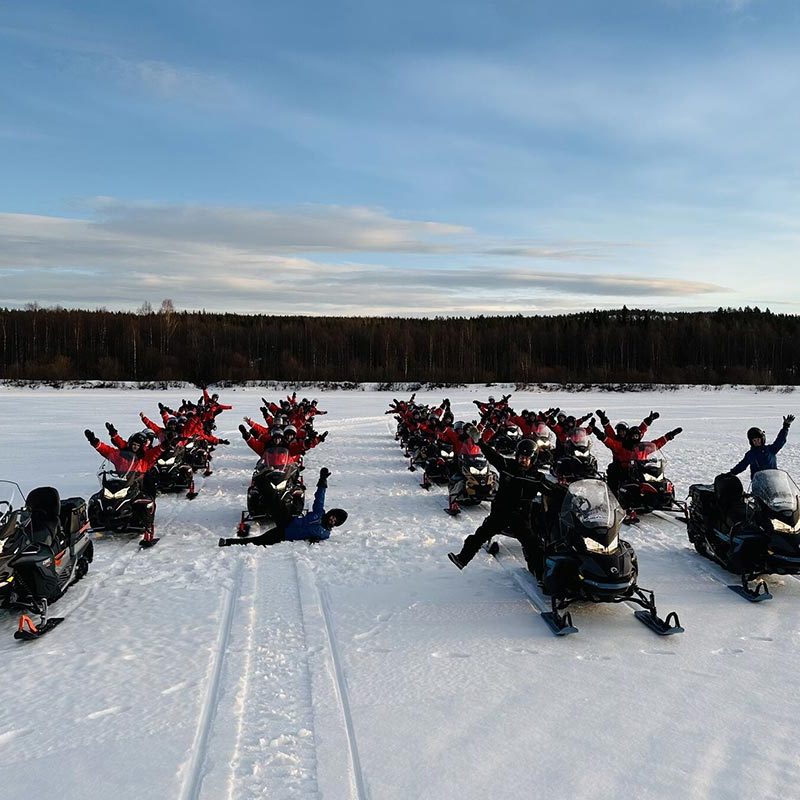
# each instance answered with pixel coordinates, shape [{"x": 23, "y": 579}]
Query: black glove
[
  {"x": 324, "y": 474},
  {"x": 112, "y": 431},
  {"x": 225, "y": 441},
  {"x": 90, "y": 437},
  {"x": 672, "y": 434},
  {"x": 507, "y": 397},
  {"x": 161, "y": 407},
  {"x": 652, "y": 417},
  {"x": 446, "y": 401},
  {"x": 590, "y": 427},
  {"x": 245, "y": 433},
  {"x": 601, "y": 415},
  {"x": 323, "y": 436},
  {"x": 788, "y": 420}
]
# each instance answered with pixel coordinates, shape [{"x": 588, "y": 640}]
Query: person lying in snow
[{"x": 314, "y": 525}]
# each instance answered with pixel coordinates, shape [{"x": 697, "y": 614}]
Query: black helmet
[
  {"x": 335, "y": 517},
  {"x": 621, "y": 428},
  {"x": 570, "y": 422},
  {"x": 752, "y": 433},
  {"x": 458, "y": 425},
  {"x": 526, "y": 448},
  {"x": 633, "y": 434},
  {"x": 136, "y": 439}
]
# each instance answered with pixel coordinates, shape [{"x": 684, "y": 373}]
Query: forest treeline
[{"x": 746, "y": 346}]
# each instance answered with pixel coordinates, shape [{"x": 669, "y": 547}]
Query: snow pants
[
  {"x": 514, "y": 525},
  {"x": 278, "y": 511}
]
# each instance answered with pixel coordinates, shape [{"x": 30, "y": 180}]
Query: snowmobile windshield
[
  {"x": 776, "y": 490},
  {"x": 651, "y": 458},
  {"x": 578, "y": 440},
  {"x": 474, "y": 464},
  {"x": 276, "y": 458},
  {"x": 544, "y": 436},
  {"x": 11, "y": 501},
  {"x": 590, "y": 504}
]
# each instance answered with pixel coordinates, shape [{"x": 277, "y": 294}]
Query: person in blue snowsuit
[
  {"x": 313, "y": 526},
  {"x": 762, "y": 455}
]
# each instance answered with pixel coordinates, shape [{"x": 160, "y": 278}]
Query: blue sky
[{"x": 365, "y": 157}]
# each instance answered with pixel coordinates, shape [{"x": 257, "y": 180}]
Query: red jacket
[{"x": 126, "y": 461}]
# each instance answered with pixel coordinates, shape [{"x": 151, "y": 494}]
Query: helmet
[
  {"x": 621, "y": 428},
  {"x": 458, "y": 425},
  {"x": 137, "y": 439},
  {"x": 560, "y": 417},
  {"x": 569, "y": 422},
  {"x": 276, "y": 433},
  {"x": 335, "y": 517},
  {"x": 491, "y": 399},
  {"x": 290, "y": 430},
  {"x": 752, "y": 433},
  {"x": 171, "y": 423},
  {"x": 526, "y": 448},
  {"x": 633, "y": 434},
  {"x": 470, "y": 430},
  {"x": 448, "y": 418}
]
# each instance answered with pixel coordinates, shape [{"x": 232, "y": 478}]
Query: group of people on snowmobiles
[{"x": 136, "y": 459}]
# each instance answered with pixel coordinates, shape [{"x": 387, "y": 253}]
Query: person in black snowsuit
[
  {"x": 511, "y": 509},
  {"x": 313, "y": 526}
]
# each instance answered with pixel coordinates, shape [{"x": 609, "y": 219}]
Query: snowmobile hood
[{"x": 777, "y": 492}]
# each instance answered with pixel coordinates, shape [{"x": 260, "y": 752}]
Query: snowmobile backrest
[
  {"x": 728, "y": 490},
  {"x": 73, "y": 514},
  {"x": 44, "y": 505}
]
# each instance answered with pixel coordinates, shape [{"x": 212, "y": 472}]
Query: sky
[{"x": 366, "y": 157}]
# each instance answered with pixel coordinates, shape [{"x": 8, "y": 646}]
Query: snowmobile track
[
  {"x": 194, "y": 776},
  {"x": 343, "y": 695}
]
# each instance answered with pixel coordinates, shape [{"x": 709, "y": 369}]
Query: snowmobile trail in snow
[{"x": 192, "y": 782}]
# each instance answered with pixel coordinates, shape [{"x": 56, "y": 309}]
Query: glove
[
  {"x": 788, "y": 420},
  {"x": 112, "y": 431},
  {"x": 652, "y": 417},
  {"x": 591, "y": 427},
  {"x": 245, "y": 433},
  {"x": 323, "y": 436},
  {"x": 224, "y": 441},
  {"x": 447, "y": 401},
  {"x": 601, "y": 415},
  {"x": 507, "y": 397},
  {"x": 161, "y": 407},
  {"x": 90, "y": 437},
  {"x": 672, "y": 434},
  {"x": 324, "y": 474}
]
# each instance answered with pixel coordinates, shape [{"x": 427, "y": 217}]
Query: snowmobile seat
[
  {"x": 44, "y": 505},
  {"x": 729, "y": 492},
  {"x": 73, "y": 515}
]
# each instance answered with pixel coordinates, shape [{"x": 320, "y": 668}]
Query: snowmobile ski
[
  {"x": 28, "y": 630},
  {"x": 663, "y": 627},
  {"x": 146, "y": 544},
  {"x": 755, "y": 594},
  {"x": 561, "y": 625}
]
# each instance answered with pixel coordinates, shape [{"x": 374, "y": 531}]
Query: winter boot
[
  {"x": 453, "y": 508},
  {"x": 191, "y": 494},
  {"x": 456, "y": 559},
  {"x": 148, "y": 539}
]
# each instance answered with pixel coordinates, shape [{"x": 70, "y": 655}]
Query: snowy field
[{"x": 368, "y": 666}]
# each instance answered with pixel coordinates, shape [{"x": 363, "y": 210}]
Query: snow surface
[{"x": 368, "y": 666}]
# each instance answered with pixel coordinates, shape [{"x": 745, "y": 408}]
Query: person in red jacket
[{"x": 133, "y": 458}]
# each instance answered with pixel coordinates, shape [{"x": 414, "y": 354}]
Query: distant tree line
[{"x": 631, "y": 346}]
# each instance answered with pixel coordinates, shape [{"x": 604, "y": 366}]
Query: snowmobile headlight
[
  {"x": 280, "y": 486},
  {"x": 478, "y": 470},
  {"x": 447, "y": 453},
  {"x": 109, "y": 495},
  {"x": 783, "y": 527},
  {"x": 166, "y": 462},
  {"x": 595, "y": 547}
]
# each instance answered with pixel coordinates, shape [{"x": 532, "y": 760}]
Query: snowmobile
[
  {"x": 577, "y": 448},
  {"x": 646, "y": 487},
  {"x": 480, "y": 481},
  {"x": 276, "y": 468},
  {"x": 751, "y": 534},
  {"x": 45, "y": 548},
  {"x": 171, "y": 473},
  {"x": 197, "y": 454},
  {"x": 438, "y": 464},
  {"x": 585, "y": 559},
  {"x": 120, "y": 506},
  {"x": 546, "y": 442},
  {"x": 506, "y": 439}
]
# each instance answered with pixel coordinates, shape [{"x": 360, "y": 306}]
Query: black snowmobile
[
  {"x": 120, "y": 506},
  {"x": 276, "y": 468},
  {"x": 197, "y": 454},
  {"x": 438, "y": 464},
  {"x": 44, "y": 549},
  {"x": 172, "y": 474},
  {"x": 585, "y": 559},
  {"x": 752, "y": 534},
  {"x": 576, "y": 455},
  {"x": 480, "y": 481},
  {"x": 545, "y": 442},
  {"x": 646, "y": 488}
]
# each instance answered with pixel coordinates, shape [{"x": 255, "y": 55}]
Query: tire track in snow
[
  {"x": 192, "y": 783},
  {"x": 318, "y": 622}
]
